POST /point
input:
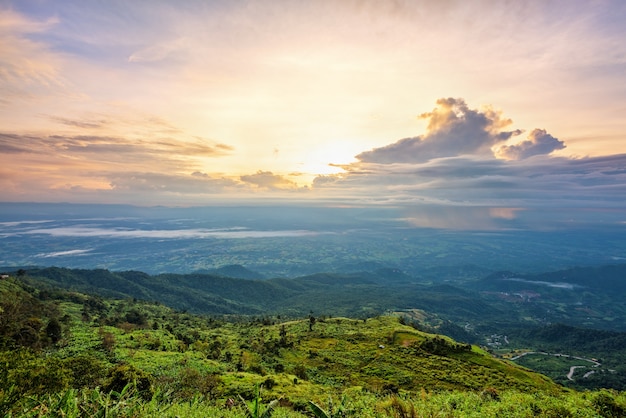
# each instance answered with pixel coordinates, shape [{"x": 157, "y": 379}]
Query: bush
[
  {"x": 86, "y": 371},
  {"x": 24, "y": 374},
  {"x": 300, "y": 372},
  {"x": 54, "y": 331},
  {"x": 604, "y": 402},
  {"x": 191, "y": 382},
  {"x": 491, "y": 394},
  {"x": 124, "y": 375}
]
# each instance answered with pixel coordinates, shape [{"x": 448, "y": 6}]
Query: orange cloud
[{"x": 268, "y": 180}]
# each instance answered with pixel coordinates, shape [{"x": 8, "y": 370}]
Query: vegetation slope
[{"x": 66, "y": 353}]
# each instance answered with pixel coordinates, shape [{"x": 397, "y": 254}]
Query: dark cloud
[
  {"x": 321, "y": 181},
  {"x": 268, "y": 180},
  {"x": 594, "y": 182},
  {"x": 13, "y": 144},
  {"x": 453, "y": 129},
  {"x": 539, "y": 143}
]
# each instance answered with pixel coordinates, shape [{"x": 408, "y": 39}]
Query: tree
[
  {"x": 54, "y": 331},
  {"x": 135, "y": 316},
  {"x": 283, "y": 336},
  {"x": 108, "y": 341}
]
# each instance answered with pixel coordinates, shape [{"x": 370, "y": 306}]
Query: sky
[{"x": 502, "y": 105}]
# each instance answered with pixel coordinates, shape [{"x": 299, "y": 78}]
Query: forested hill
[
  {"x": 356, "y": 295},
  {"x": 608, "y": 279}
]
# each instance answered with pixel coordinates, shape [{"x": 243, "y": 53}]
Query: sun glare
[{"x": 324, "y": 159}]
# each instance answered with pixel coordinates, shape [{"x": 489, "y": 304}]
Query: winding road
[{"x": 572, "y": 369}]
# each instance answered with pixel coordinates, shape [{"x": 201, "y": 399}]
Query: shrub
[
  {"x": 24, "y": 374},
  {"x": 193, "y": 382},
  {"x": 604, "y": 403},
  {"x": 86, "y": 371},
  {"x": 54, "y": 331},
  {"x": 557, "y": 411},
  {"x": 400, "y": 409},
  {"x": 124, "y": 375},
  {"x": 300, "y": 372},
  {"x": 491, "y": 394}
]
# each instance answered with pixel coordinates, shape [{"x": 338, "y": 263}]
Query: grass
[{"x": 353, "y": 403}]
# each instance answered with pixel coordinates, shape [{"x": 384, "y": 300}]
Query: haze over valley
[{"x": 287, "y": 241}]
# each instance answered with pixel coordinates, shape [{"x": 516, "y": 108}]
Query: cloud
[
  {"x": 487, "y": 193},
  {"x": 455, "y": 176},
  {"x": 15, "y": 144},
  {"x": 110, "y": 148},
  {"x": 83, "y": 124},
  {"x": 453, "y": 129},
  {"x": 64, "y": 253},
  {"x": 268, "y": 180},
  {"x": 231, "y": 233},
  {"x": 138, "y": 168},
  {"x": 26, "y": 66},
  {"x": 158, "y": 52},
  {"x": 172, "y": 184},
  {"x": 539, "y": 143},
  {"x": 459, "y": 217},
  {"x": 538, "y": 182},
  {"x": 131, "y": 187}
]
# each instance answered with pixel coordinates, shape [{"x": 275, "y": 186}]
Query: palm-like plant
[
  {"x": 321, "y": 413},
  {"x": 318, "y": 411},
  {"x": 256, "y": 410}
]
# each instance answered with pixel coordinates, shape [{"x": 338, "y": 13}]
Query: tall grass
[{"x": 74, "y": 403}]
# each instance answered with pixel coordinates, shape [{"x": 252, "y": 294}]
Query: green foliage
[
  {"x": 125, "y": 375},
  {"x": 135, "y": 316},
  {"x": 191, "y": 382},
  {"x": 360, "y": 295},
  {"x": 23, "y": 373},
  {"x": 256, "y": 409},
  {"x": 54, "y": 331},
  {"x": 318, "y": 411},
  {"x": 23, "y": 315},
  {"x": 332, "y": 411},
  {"x": 607, "y": 346},
  {"x": 93, "y": 403},
  {"x": 86, "y": 371},
  {"x": 604, "y": 402},
  {"x": 401, "y": 409}
]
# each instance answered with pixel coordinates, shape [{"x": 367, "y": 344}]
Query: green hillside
[
  {"x": 356, "y": 295},
  {"x": 68, "y": 351},
  {"x": 515, "y": 316}
]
